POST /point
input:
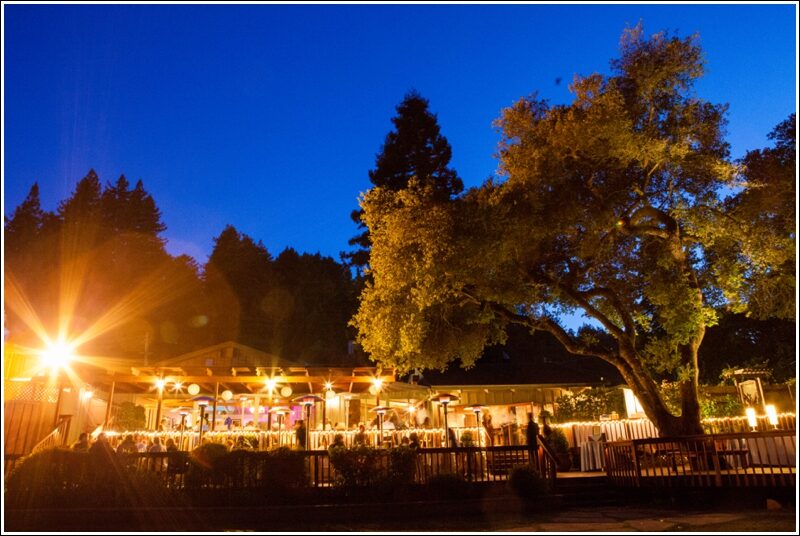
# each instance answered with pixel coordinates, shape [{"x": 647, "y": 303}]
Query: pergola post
[
  {"x": 108, "y": 406},
  {"x": 214, "y": 407}
]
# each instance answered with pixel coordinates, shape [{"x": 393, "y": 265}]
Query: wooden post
[
  {"x": 158, "y": 407},
  {"x": 761, "y": 394},
  {"x": 108, "y": 407},
  {"x": 214, "y": 409}
]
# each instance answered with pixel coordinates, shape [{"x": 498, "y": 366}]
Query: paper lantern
[
  {"x": 330, "y": 394},
  {"x": 286, "y": 391},
  {"x": 193, "y": 389},
  {"x": 373, "y": 390},
  {"x": 227, "y": 395}
]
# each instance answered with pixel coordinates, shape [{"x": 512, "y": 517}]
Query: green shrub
[
  {"x": 63, "y": 478},
  {"x": 130, "y": 417},
  {"x": 208, "y": 465},
  {"x": 285, "y": 468},
  {"x": 557, "y": 441},
  {"x": 725, "y": 406},
  {"x": 588, "y": 405},
  {"x": 355, "y": 466},
  {"x": 402, "y": 465},
  {"x": 526, "y": 482}
]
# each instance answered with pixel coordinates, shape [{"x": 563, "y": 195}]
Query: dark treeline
[{"x": 99, "y": 261}]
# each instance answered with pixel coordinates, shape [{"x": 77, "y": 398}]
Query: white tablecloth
[{"x": 592, "y": 458}]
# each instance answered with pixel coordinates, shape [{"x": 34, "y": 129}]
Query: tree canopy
[
  {"x": 415, "y": 149},
  {"x": 611, "y": 205}
]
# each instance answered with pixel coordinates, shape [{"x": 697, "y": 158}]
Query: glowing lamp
[
  {"x": 193, "y": 389},
  {"x": 751, "y": 418},
  {"x": 772, "y": 415},
  {"x": 286, "y": 391},
  {"x": 227, "y": 395}
]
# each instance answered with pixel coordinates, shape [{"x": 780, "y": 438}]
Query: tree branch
[
  {"x": 611, "y": 296},
  {"x": 546, "y": 324},
  {"x": 578, "y": 298}
]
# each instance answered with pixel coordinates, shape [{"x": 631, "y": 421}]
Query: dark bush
[
  {"x": 357, "y": 466},
  {"x": 526, "y": 482},
  {"x": 448, "y": 486},
  {"x": 402, "y": 465},
  {"x": 285, "y": 468},
  {"x": 62, "y": 478},
  {"x": 208, "y": 466}
]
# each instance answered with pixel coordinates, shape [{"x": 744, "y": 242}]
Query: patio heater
[
  {"x": 183, "y": 412},
  {"x": 280, "y": 411},
  {"x": 444, "y": 399},
  {"x": 307, "y": 401},
  {"x": 203, "y": 402},
  {"x": 477, "y": 409},
  {"x": 381, "y": 411}
]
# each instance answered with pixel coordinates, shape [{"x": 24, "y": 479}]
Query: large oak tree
[{"x": 611, "y": 205}]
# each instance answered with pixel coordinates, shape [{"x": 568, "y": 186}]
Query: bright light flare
[{"x": 57, "y": 355}]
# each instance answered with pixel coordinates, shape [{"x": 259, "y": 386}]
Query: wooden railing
[
  {"x": 714, "y": 460},
  {"x": 473, "y": 464},
  {"x": 56, "y": 438},
  {"x": 730, "y": 425}
]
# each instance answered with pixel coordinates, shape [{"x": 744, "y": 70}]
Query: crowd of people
[{"x": 127, "y": 444}]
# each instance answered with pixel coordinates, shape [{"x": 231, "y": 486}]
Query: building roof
[{"x": 528, "y": 360}]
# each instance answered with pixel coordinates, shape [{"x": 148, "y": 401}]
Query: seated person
[
  {"x": 360, "y": 438},
  {"x": 338, "y": 441}
]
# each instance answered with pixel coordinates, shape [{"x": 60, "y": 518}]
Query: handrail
[
  {"x": 549, "y": 462},
  {"x": 55, "y": 438}
]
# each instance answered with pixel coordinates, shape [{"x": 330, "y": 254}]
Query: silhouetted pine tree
[{"x": 415, "y": 148}]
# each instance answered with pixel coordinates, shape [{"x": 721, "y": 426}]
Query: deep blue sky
[{"x": 269, "y": 117}]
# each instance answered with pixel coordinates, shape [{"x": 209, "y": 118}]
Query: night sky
[{"x": 269, "y": 117}]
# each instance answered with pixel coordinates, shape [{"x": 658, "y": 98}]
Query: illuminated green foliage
[{"x": 609, "y": 205}]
